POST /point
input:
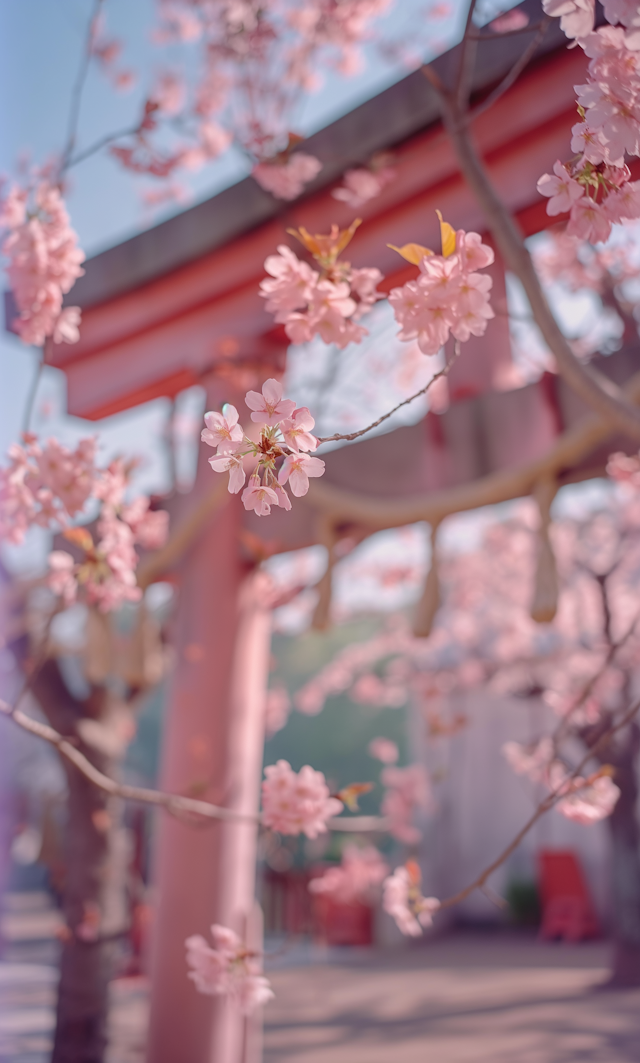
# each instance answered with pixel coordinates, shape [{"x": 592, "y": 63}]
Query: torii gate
[{"x": 179, "y": 305}]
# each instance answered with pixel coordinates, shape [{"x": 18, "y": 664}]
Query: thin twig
[
  {"x": 102, "y": 142},
  {"x": 512, "y": 76},
  {"x": 33, "y": 388},
  {"x": 467, "y": 59},
  {"x": 544, "y": 806},
  {"x": 405, "y": 402},
  {"x": 76, "y": 95}
]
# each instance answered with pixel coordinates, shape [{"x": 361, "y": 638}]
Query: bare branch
[
  {"x": 102, "y": 142},
  {"x": 405, "y": 402},
  {"x": 76, "y": 95},
  {"x": 513, "y": 74},
  {"x": 544, "y": 806},
  {"x": 468, "y": 48}
]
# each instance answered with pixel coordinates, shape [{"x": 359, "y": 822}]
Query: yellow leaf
[
  {"x": 350, "y": 794},
  {"x": 413, "y": 253},
  {"x": 448, "y": 236},
  {"x": 79, "y": 537}
]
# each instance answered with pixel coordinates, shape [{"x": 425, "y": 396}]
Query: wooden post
[{"x": 213, "y": 743}]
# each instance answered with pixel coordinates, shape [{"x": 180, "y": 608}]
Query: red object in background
[
  {"x": 567, "y": 908},
  {"x": 338, "y": 923}
]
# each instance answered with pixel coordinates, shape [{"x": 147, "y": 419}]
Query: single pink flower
[
  {"x": 223, "y": 430},
  {"x": 234, "y": 466},
  {"x": 259, "y": 498},
  {"x": 297, "y": 468},
  {"x": 563, "y": 191},
  {"x": 589, "y": 222},
  {"x": 269, "y": 407},
  {"x": 296, "y": 430},
  {"x": 404, "y": 903}
]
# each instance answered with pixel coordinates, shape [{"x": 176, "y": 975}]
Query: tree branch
[
  {"x": 76, "y": 95},
  {"x": 405, "y": 402},
  {"x": 513, "y": 74},
  {"x": 544, "y": 806}
]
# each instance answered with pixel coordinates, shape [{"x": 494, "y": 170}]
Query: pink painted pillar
[{"x": 213, "y": 744}]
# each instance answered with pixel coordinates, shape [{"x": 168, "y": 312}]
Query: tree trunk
[
  {"x": 625, "y": 865},
  {"x": 93, "y": 910}
]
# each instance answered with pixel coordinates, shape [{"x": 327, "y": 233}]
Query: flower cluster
[
  {"x": 625, "y": 468},
  {"x": 404, "y": 901},
  {"x": 286, "y": 177},
  {"x": 449, "y": 297},
  {"x": 355, "y": 879},
  {"x": 328, "y": 303},
  {"x": 595, "y": 188},
  {"x": 105, "y": 570},
  {"x": 228, "y": 969},
  {"x": 297, "y": 802},
  {"x": 285, "y": 434},
  {"x": 44, "y": 484},
  {"x": 407, "y": 789},
  {"x": 365, "y": 183},
  {"x": 578, "y": 265},
  {"x": 587, "y": 800},
  {"x": 44, "y": 262}
]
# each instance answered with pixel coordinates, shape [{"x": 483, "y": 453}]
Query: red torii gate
[{"x": 179, "y": 305}]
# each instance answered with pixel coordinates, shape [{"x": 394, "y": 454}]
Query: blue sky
[{"x": 40, "y": 45}]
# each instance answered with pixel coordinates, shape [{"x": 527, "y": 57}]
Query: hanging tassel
[
  {"x": 98, "y": 648},
  {"x": 429, "y": 603},
  {"x": 141, "y": 663},
  {"x": 545, "y": 594},
  {"x": 321, "y": 618}
]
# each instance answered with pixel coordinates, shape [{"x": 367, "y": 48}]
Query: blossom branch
[
  {"x": 595, "y": 389},
  {"x": 550, "y": 800},
  {"x": 349, "y": 436}
]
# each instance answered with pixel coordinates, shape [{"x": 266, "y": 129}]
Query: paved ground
[
  {"x": 467, "y": 998},
  {"x": 464, "y": 999}
]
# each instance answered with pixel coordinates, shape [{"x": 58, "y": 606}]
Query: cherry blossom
[
  {"x": 587, "y": 801},
  {"x": 563, "y": 191},
  {"x": 62, "y": 579},
  {"x": 286, "y": 179},
  {"x": 361, "y": 185},
  {"x": 228, "y": 969},
  {"x": 44, "y": 261},
  {"x": 296, "y": 470},
  {"x": 269, "y": 407},
  {"x": 361, "y": 870},
  {"x": 407, "y": 789},
  {"x": 449, "y": 297},
  {"x": 576, "y": 16},
  {"x": 222, "y": 430},
  {"x": 277, "y": 708},
  {"x": 624, "y": 468},
  {"x": 297, "y": 803},
  {"x": 533, "y": 760},
  {"x": 281, "y": 452},
  {"x": 329, "y": 303},
  {"x": 384, "y": 749},
  {"x": 404, "y": 902}
]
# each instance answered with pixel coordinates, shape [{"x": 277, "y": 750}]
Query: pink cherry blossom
[
  {"x": 222, "y": 430},
  {"x": 61, "y": 579},
  {"x": 258, "y": 497},
  {"x": 269, "y": 407},
  {"x": 286, "y": 179},
  {"x": 533, "y": 760},
  {"x": 624, "y": 468},
  {"x": 296, "y": 469},
  {"x": 232, "y": 464},
  {"x": 589, "y": 222},
  {"x": 228, "y": 969},
  {"x": 402, "y": 901},
  {"x": 576, "y": 16},
  {"x": 43, "y": 262},
  {"x": 296, "y": 430},
  {"x": 361, "y": 185},
  {"x": 292, "y": 283},
  {"x": 407, "y": 789},
  {"x": 297, "y": 803},
  {"x": 356, "y": 879},
  {"x": 277, "y": 709},
  {"x": 563, "y": 191},
  {"x": 384, "y": 749},
  {"x": 150, "y": 527},
  {"x": 624, "y": 203},
  {"x": 590, "y": 803}
]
